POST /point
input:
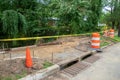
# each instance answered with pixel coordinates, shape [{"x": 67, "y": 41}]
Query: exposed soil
[
  {"x": 45, "y": 52},
  {"x": 14, "y": 69}
]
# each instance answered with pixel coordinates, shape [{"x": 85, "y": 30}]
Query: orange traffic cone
[{"x": 28, "y": 58}]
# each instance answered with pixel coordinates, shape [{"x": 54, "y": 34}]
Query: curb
[
  {"x": 64, "y": 63},
  {"x": 42, "y": 73},
  {"x": 88, "y": 53}
]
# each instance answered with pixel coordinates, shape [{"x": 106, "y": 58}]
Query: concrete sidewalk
[{"x": 107, "y": 68}]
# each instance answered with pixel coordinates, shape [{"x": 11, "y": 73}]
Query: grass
[
  {"x": 14, "y": 77},
  {"x": 47, "y": 64},
  {"x": 104, "y": 41},
  {"x": 7, "y": 78},
  {"x": 104, "y": 44},
  {"x": 117, "y": 38},
  {"x": 23, "y": 74}
]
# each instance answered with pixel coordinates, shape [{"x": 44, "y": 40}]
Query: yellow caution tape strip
[{"x": 34, "y": 38}]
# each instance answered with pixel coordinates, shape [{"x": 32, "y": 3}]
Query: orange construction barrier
[
  {"x": 95, "y": 43},
  {"x": 28, "y": 58},
  {"x": 111, "y": 33},
  {"x": 106, "y": 34}
]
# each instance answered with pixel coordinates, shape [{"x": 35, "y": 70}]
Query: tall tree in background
[
  {"x": 111, "y": 4},
  {"x": 96, "y": 8},
  {"x": 78, "y": 16},
  {"x": 114, "y": 12},
  {"x": 13, "y": 23},
  {"x": 72, "y": 14},
  {"x": 24, "y": 13}
]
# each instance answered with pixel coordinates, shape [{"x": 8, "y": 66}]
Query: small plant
[
  {"x": 18, "y": 76},
  {"x": 47, "y": 64},
  {"x": 6, "y": 78},
  {"x": 14, "y": 77},
  {"x": 104, "y": 44}
]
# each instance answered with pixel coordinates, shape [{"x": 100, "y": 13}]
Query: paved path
[{"x": 107, "y": 68}]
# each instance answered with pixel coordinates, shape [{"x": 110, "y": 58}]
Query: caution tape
[{"x": 43, "y": 37}]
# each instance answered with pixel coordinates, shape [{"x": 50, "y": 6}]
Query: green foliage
[
  {"x": 23, "y": 74},
  {"x": 14, "y": 77},
  {"x": 72, "y": 15},
  {"x": 18, "y": 4},
  {"x": 13, "y": 23},
  {"x": 20, "y": 18},
  {"x": 113, "y": 18},
  {"x": 117, "y": 38},
  {"x": 7, "y": 78},
  {"x": 24, "y": 10},
  {"x": 77, "y": 16},
  {"x": 96, "y": 6},
  {"x": 10, "y": 22},
  {"x": 47, "y": 64},
  {"x": 104, "y": 44},
  {"x": 104, "y": 41}
]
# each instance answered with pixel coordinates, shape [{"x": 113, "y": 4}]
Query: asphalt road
[{"x": 106, "y": 68}]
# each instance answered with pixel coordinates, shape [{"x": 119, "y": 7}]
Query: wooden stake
[
  {"x": 10, "y": 56},
  {"x": 33, "y": 54},
  {"x": 52, "y": 58},
  {"x": 3, "y": 50}
]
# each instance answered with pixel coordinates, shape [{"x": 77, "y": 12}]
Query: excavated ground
[{"x": 61, "y": 49}]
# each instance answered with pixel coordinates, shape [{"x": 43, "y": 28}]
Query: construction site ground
[
  {"x": 67, "y": 48},
  {"x": 58, "y": 51}
]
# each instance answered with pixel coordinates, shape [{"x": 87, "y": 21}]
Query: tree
[
  {"x": 78, "y": 16},
  {"x": 18, "y": 18},
  {"x": 75, "y": 16},
  {"x": 72, "y": 15},
  {"x": 13, "y": 23},
  {"x": 114, "y": 17},
  {"x": 96, "y": 8},
  {"x": 25, "y": 10}
]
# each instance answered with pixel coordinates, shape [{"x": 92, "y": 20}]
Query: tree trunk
[
  {"x": 119, "y": 31},
  {"x": 113, "y": 24}
]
